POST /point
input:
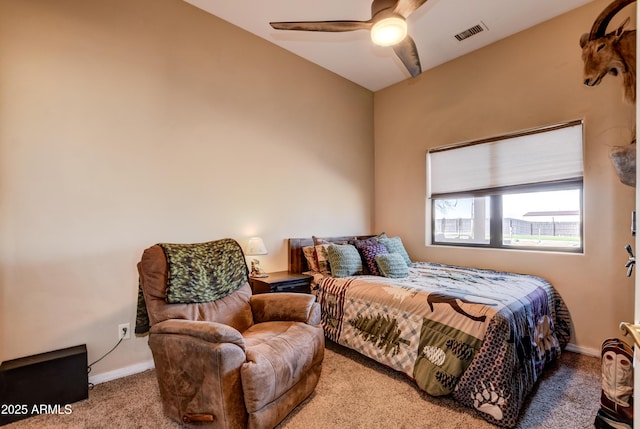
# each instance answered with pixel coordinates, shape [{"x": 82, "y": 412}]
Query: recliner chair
[{"x": 239, "y": 361}]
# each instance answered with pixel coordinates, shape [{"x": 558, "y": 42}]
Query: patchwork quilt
[{"x": 482, "y": 336}]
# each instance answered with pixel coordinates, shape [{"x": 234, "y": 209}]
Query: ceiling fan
[{"x": 388, "y": 27}]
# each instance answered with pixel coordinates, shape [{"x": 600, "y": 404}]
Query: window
[
  {"x": 522, "y": 191},
  {"x": 462, "y": 220}
]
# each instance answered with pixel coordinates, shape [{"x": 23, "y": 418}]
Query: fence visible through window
[{"x": 515, "y": 232}]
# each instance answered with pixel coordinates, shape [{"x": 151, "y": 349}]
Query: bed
[{"x": 482, "y": 336}]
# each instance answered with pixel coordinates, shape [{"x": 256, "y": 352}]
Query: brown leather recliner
[{"x": 240, "y": 361}]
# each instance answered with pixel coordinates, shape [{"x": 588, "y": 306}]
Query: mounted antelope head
[{"x": 613, "y": 53}]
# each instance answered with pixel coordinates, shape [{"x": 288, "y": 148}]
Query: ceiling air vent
[{"x": 470, "y": 32}]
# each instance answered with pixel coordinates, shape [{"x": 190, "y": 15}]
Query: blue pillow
[
  {"x": 392, "y": 265},
  {"x": 344, "y": 260},
  {"x": 394, "y": 245}
]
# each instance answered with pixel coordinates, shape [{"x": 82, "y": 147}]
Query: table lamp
[{"x": 256, "y": 246}]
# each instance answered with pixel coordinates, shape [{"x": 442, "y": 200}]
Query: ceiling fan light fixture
[{"x": 389, "y": 31}]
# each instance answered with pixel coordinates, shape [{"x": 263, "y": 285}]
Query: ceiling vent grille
[{"x": 469, "y": 32}]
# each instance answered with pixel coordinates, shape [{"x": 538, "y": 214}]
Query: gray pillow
[
  {"x": 392, "y": 265},
  {"x": 344, "y": 260}
]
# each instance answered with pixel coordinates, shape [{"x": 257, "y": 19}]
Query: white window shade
[{"x": 537, "y": 156}]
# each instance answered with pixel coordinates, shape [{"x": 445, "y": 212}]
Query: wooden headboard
[{"x": 297, "y": 261}]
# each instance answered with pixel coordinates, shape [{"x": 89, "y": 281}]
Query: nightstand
[{"x": 281, "y": 281}]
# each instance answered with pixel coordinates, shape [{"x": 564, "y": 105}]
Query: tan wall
[
  {"x": 126, "y": 123},
  {"x": 531, "y": 79}
]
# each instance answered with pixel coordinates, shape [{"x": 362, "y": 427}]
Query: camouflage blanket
[
  {"x": 204, "y": 272},
  {"x": 482, "y": 336},
  {"x": 197, "y": 273}
]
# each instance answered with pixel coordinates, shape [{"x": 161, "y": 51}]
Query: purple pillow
[{"x": 369, "y": 253}]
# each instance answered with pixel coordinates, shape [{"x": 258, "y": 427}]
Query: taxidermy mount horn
[
  {"x": 388, "y": 26},
  {"x": 613, "y": 53}
]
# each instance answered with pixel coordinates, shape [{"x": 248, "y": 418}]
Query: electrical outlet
[{"x": 124, "y": 331}]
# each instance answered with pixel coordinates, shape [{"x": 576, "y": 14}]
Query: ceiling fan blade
[
  {"x": 407, "y": 7},
  {"x": 408, "y": 54},
  {"x": 333, "y": 26}
]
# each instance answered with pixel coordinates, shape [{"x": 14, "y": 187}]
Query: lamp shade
[
  {"x": 389, "y": 31},
  {"x": 256, "y": 246}
]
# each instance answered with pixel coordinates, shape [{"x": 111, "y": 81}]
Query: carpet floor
[{"x": 353, "y": 392}]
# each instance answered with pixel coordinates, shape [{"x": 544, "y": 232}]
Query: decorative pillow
[
  {"x": 394, "y": 245},
  {"x": 392, "y": 265},
  {"x": 345, "y": 260},
  {"x": 366, "y": 241},
  {"x": 318, "y": 240},
  {"x": 322, "y": 259},
  {"x": 310, "y": 255},
  {"x": 369, "y": 254},
  {"x": 363, "y": 242}
]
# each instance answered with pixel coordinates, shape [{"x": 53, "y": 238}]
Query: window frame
[
  {"x": 495, "y": 205},
  {"x": 496, "y": 219}
]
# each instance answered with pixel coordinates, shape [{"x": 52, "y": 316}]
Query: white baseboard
[
  {"x": 583, "y": 350},
  {"x": 121, "y": 372}
]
